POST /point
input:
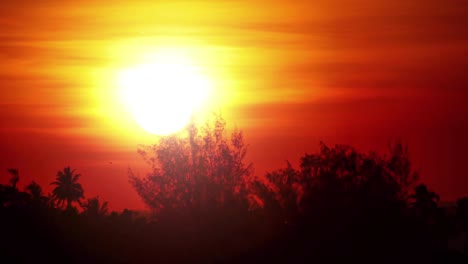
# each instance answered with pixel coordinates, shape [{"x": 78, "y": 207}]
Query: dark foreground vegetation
[{"x": 206, "y": 205}]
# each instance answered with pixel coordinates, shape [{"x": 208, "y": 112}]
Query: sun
[{"x": 163, "y": 94}]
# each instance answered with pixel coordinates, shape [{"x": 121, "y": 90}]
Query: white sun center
[{"x": 162, "y": 95}]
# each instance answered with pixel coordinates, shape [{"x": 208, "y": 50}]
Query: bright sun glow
[{"x": 163, "y": 94}]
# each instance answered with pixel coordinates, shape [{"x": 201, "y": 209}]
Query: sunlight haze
[{"x": 287, "y": 73}]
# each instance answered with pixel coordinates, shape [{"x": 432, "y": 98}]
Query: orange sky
[{"x": 288, "y": 73}]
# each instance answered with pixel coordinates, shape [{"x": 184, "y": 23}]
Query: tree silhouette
[
  {"x": 94, "y": 208},
  {"x": 341, "y": 182},
  {"x": 67, "y": 188},
  {"x": 14, "y": 177},
  {"x": 37, "y": 196},
  {"x": 338, "y": 204},
  {"x": 34, "y": 190},
  {"x": 343, "y": 171},
  {"x": 197, "y": 169},
  {"x": 282, "y": 191},
  {"x": 10, "y": 196},
  {"x": 424, "y": 203},
  {"x": 423, "y": 198},
  {"x": 399, "y": 167}
]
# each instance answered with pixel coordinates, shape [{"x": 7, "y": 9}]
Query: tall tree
[
  {"x": 196, "y": 169},
  {"x": 67, "y": 188}
]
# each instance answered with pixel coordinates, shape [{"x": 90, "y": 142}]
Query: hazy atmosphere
[{"x": 234, "y": 131}]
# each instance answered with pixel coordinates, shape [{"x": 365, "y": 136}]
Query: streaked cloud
[{"x": 306, "y": 69}]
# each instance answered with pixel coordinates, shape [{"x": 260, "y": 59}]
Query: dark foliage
[
  {"x": 197, "y": 171},
  {"x": 340, "y": 205},
  {"x": 67, "y": 188}
]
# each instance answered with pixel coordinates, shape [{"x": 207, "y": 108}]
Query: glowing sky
[{"x": 288, "y": 73}]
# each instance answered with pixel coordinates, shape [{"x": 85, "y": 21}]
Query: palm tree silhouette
[
  {"x": 95, "y": 208},
  {"x": 36, "y": 194},
  {"x": 34, "y": 190},
  {"x": 67, "y": 187}
]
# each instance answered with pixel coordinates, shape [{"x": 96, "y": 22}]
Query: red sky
[{"x": 288, "y": 73}]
